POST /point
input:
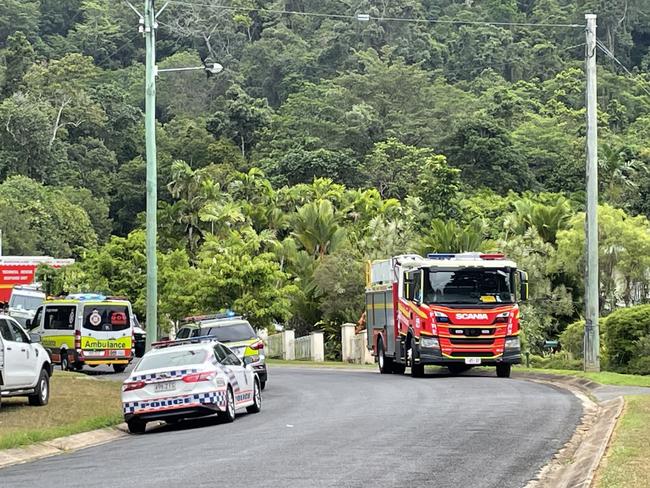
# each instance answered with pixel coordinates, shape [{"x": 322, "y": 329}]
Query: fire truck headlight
[
  {"x": 429, "y": 343},
  {"x": 513, "y": 343}
]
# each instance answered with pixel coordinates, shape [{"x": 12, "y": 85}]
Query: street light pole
[
  {"x": 150, "y": 25},
  {"x": 592, "y": 337}
]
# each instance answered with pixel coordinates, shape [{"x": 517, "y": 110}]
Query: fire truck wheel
[
  {"x": 503, "y": 370},
  {"x": 385, "y": 364},
  {"x": 417, "y": 370}
]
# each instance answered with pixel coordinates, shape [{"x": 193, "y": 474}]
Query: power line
[
  {"x": 370, "y": 17},
  {"x": 610, "y": 54}
]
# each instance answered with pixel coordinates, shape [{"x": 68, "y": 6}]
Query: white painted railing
[{"x": 302, "y": 347}]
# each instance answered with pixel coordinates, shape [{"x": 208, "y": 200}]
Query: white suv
[{"x": 25, "y": 366}]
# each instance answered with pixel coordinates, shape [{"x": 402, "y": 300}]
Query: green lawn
[
  {"x": 77, "y": 404},
  {"x": 605, "y": 377},
  {"x": 626, "y": 464}
]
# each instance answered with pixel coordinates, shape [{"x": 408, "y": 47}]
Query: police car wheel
[
  {"x": 263, "y": 384},
  {"x": 42, "y": 391},
  {"x": 257, "y": 399},
  {"x": 137, "y": 426},
  {"x": 229, "y": 414}
]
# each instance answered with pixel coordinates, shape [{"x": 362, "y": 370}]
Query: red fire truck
[
  {"x": 21, "y": 270},
  {"x": 453, "y": 310}
]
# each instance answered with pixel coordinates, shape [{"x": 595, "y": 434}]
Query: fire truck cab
[{"x": 453, "y": 310}]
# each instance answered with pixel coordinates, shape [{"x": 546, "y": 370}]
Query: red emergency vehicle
[
  {"x": 453, "y": 310},
  {"x": 21, "y": 270}
]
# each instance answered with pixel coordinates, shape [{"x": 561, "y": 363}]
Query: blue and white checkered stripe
[
  {"x": 167, "y": 375},
  {"x": 212, "y": 397},
  {"x": 232, "y": 379}
]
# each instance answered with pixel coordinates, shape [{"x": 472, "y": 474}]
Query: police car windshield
[
  {"x": 172, "y": 358},
  {"x": 472, "y": 286},
  {"x": 241, "y": 331}
]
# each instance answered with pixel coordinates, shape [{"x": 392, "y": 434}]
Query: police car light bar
[{"x": 180, "y": 342}]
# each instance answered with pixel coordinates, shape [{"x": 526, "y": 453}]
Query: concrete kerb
[
  {"x": 19, "y": 455},
  {"x": 576, "y": 464}
]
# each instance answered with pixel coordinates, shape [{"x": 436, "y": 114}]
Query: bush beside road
[{"x": 77, "y": 404}]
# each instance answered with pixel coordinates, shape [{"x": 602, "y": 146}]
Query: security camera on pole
[{"x": 147, "y": 26}]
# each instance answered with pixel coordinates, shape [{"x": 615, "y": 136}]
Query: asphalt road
[{"x": 326, "y": 428}]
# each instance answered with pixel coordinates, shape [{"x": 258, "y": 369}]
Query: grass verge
[
  {"x": 626, "y": 464},
  {"x": 604, "y": 377},
  {"x": 77, "y": 404},
  {"x": 324, "y": 364}
]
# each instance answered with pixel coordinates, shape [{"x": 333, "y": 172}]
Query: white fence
[
  {"x": 302, "y": 347},
  {"x": 285, "y": 346},
  {"x": 354, "y": 347}
]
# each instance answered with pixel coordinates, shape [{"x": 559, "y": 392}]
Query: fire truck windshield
[{"x": 471, "y": 286}]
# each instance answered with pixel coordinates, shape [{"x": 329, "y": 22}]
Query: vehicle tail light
[
  {"x": 77, "y": 340},
  {"x": 196, "y": 377},
  {"x": 257, "y": 346},
  {"x": 133, "y": 385}
]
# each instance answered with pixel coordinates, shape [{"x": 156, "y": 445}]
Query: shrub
[
  {"x": 559, "y": 360},
  {"x": 572, "y": 340},
  {"x": 628, "y": 330}
]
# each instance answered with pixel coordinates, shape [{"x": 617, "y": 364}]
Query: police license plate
[
  {"x": 166, "y": 386},
  {"x": 473, "y": 361}
]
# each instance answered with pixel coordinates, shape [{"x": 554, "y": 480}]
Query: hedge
[{"x": 628, "y": 340}]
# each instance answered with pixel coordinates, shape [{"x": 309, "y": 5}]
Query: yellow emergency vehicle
[{"x": 86, "y": 329}]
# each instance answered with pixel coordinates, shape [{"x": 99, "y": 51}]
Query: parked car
[
  {"x": 140, "y": 338},
  {"x": 237, "y": 333},
  {"x": 24, "y": 301},
  {"x": 188, "y": 378},
  {"x": 25, "y": 366}
]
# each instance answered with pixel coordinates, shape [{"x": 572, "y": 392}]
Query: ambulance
[{"x": 86, "y": 329}]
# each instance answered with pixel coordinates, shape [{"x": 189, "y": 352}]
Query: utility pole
[
  {"x": 592, "y": 337},
  {"x": 150, "y": 25}
]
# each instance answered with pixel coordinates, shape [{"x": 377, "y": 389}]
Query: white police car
[{"x": 188, "y": 378}]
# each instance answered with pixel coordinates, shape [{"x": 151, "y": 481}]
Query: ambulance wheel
[
  {"x": 385, "y": 364},
  {"x": 257, "y": 399},
  {"x": 137, "y": 426},
  {"x": 78, "y": 366},
  {"x": 42, "y": 391},
  {"x": 503, "y": 370},
  {"x": 119, "y": 368},
  {"x": 65, "y": 361},
  {"x": 229, "y": 415},
  {"x": 417, "y": 370}
]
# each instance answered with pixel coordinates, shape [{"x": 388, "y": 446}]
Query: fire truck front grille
[
  {"x": 470, "y": 354},
  {"x": 477, "y": 342}
]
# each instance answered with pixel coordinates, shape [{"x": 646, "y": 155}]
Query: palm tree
[
  {"x": 450, "y": 237},
  {"x": 317, "y": 229}
]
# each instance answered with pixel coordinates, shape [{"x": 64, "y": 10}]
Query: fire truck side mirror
[{"x": 523, "y": 283}]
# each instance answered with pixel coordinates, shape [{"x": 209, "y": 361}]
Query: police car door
[{"x": 242, "y": 386}]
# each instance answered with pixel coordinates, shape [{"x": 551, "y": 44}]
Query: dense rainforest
[{"x": 325, "y": 142}]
